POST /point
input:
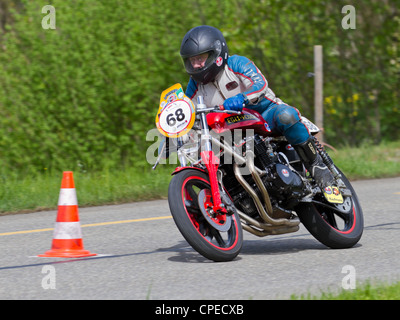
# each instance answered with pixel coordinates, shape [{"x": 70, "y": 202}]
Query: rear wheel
[
  {"x": 216, "y": 237},
  {"x": 337, "y": 226}
]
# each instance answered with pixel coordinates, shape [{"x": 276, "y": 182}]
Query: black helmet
[{"x": 204, "y": 39}]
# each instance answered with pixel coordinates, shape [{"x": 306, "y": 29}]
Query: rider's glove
[{"x": 235, "y": 103}]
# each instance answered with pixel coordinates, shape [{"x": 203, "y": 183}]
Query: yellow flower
[
  {"x": 356, "y": 97},
  {"x": 331, "y": 111},
  {"x": 328, "y": 100}
]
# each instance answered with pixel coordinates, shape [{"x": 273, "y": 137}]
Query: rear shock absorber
[{"x": 326, "y": 158}]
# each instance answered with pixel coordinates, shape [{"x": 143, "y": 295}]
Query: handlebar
[
  {"x": 201, "y": 107},
  {"x": 222, "y": 109},
  {"x": 219, "y": 109}
]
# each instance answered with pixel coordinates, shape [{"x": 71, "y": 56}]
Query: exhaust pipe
[{"x": 270, "y": 225}]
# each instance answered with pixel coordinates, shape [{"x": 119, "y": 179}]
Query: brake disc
[{"x": 219, "y": 222}]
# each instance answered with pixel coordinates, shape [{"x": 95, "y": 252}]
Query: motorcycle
[{"x": 235, "y": 174}]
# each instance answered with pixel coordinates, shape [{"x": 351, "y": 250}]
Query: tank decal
[{"x": 240, "y": 117}]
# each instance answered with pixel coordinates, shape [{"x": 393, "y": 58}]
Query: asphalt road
[{"x": 142, "y": 258}]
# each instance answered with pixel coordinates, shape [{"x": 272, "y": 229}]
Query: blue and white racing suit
[{"x": 240, "y": 75}]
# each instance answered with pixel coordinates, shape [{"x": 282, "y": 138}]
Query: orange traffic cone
[{"x": 67, "y": 238}]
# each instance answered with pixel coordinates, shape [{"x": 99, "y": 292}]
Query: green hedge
[{"x": 87, "y": 92}]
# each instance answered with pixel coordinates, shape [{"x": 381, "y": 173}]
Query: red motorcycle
[{"x": 234, "y": 174}]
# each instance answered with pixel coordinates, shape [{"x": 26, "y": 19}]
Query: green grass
[
  {"x": 366, "y": 291},
  {"x": 110, "y": 186},
  {"x": 24, "y": 193},
  {"x": 369, "y": 162}
]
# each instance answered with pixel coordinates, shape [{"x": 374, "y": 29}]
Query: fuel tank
[{"x": 248, "y": 119}]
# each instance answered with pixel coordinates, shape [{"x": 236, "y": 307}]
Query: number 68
[{"x": 180, "y": 116}]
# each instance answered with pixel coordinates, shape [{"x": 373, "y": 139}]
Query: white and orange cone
[{"x": 67, "y": 238}]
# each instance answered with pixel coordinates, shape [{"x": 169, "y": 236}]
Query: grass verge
[
  {"x": 369, "y": 161},
  {"x": 110, "y": 186}
]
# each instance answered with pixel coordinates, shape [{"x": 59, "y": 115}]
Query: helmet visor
[{"x": 198, "y": 63}]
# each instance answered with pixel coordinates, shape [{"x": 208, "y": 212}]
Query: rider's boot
[{"x": 314, "y": 163}]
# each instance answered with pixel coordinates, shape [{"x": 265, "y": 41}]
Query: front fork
[{"x": 209, "y": 159}]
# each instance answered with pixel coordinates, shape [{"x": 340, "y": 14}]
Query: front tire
[{"x": 183, "y": 194}]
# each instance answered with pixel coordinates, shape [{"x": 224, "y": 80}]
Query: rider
[{"x": 236, "y": 82}]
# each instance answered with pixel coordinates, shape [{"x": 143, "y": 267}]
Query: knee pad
[
  {"x": 288, "y": 121},
  {"x": 287, "y": 116}
]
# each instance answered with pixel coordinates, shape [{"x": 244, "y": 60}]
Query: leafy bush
[{"x": 87, "y": 91}]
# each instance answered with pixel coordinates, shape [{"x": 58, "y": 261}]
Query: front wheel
[
  {"x": 336, "y": 226},
  {"x": 218, "y": 238}
]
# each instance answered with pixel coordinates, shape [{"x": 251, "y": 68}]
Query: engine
[
  {"x": 284, "y": 180},
  {"x": 284, "y": 185},
  {"x": 280, "y": 180}
]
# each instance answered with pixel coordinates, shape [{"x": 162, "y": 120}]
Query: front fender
[{"x": 179, "y": 169}]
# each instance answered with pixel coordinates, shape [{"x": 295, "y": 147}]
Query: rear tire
[
  {"x": 183, "y": 193},
  {"x": 334, "y": 229}
]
